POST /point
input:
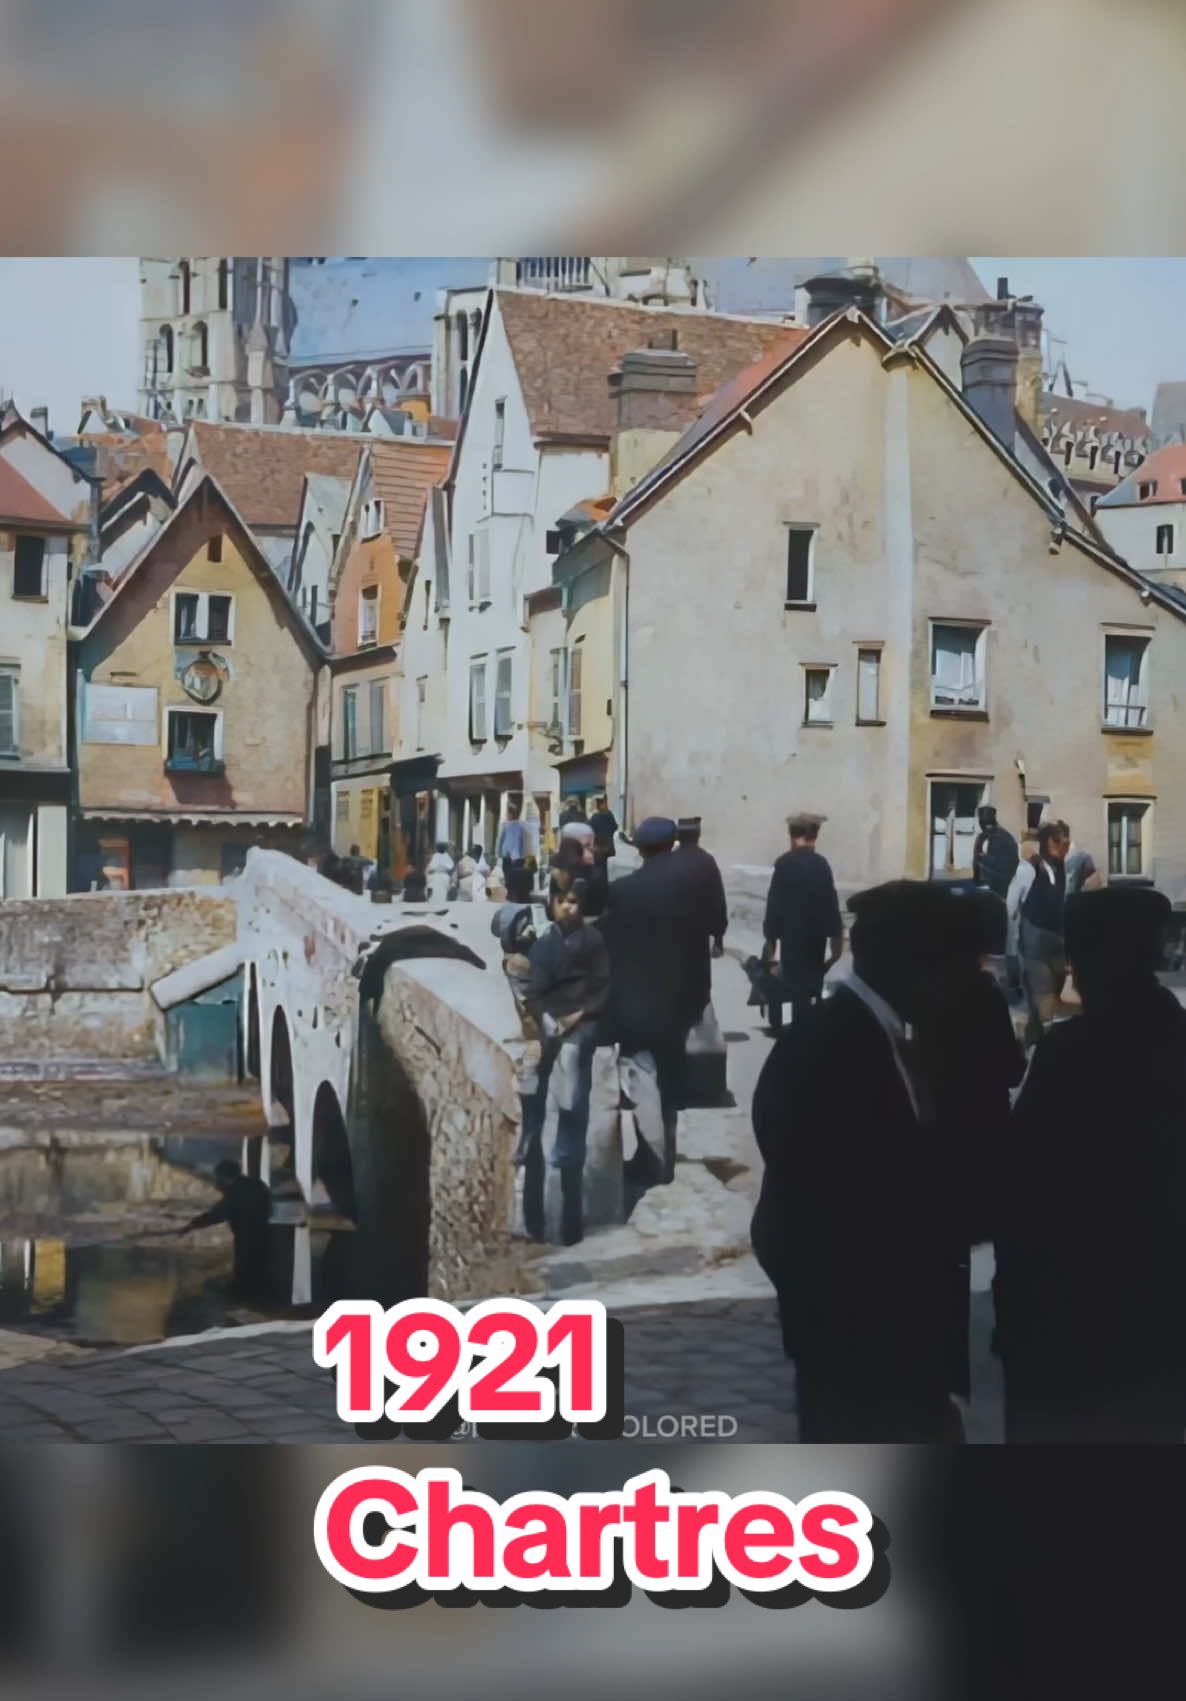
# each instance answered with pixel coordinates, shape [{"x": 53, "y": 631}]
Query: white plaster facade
[
  {"x": 917, "y": 520},
  {"x": 1151, "y": 536}
]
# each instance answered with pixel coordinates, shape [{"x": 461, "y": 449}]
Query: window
[
  {"x": 342, "y": 806},
  {"x": 185, "y": 279},
  {"x": 1182, "y": 486},
  {"x": 9, "y": 705},
  {"x": 378, "y": 708},
  {"x": 350, "y": 722},
  {"x": 120, "y": 714},
  {"x": 575, "y": 672},
  {"x": 553, "y": 542},
  {"x": 500, "y": 422},
  {"x": 1128, "y": 846},
  {"x": 194, "y": 745},
  {"x": 421, "y": 700},
  {"x": 1035, "y": 808},
  {"x": 28, "y": 567},
  {"x": 800, "y": 575},
  {"x": 1126, "y": 668},
  {"x": 556, "y": 716},
  {"x": 503, "y": 726},
  {"x": 214, "y": 548},
  {"x": 1146, "y": 489},
  {"x": 427, "y": 601},
  {"x": 477, "y": 700},
  {"x": 868, "y": 687},
  {"x": 368, "y": 615},
  {"x": 224, "y": 284},
  {"x": 817, "y": 706},
  {"x": 957, "y": 667},
  {"x": 373, "y": 518},
  {"x": 202, "y": 617},
  {"x": 479, "y": 568},
  {"x": 1165, "y": 540},
  {"x": 954, "y": 826},
  {"x": 167, "y": 350},
  {"x": 200, "y": 347}
]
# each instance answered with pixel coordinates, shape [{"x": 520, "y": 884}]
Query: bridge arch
[{"x": 333, "y": 1167}]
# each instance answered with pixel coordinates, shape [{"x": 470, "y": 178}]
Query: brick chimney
[
  {"x": 656, "y": 393},
  {"x": 989, "y": 370}
]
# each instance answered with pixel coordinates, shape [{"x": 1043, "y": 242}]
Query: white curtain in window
[
  {"x": 955, "y": 680},
  {"x": 1123, "y": 694},
  {"x": 819, "y": 695}
]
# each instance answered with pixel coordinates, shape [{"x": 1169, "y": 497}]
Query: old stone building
[
  {"x": 198, "y": 711},
  {"x": 373, "y": 561},
  {"x": 47, "y": 520},
  {"x": 214, "y": 337},
  {"x": 1144, "y": 517},
  {"x": 859, "y": 587}
]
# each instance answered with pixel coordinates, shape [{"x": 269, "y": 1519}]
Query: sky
[{"x": 68, "y": 326}]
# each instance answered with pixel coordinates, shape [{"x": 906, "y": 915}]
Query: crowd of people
[{"x": 900, "y": 1127}]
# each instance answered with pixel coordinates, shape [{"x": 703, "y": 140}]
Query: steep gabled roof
[
  {"x": 22, "y": 504},
  {"x": 208, "y": 488},
  {"x": 1164, "y": 469},
  {"x": 403, "y": 470},
  {"x": 565, "y": 347},
  {"x": 773, "y": 376}
]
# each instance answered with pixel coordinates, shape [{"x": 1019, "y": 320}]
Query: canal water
[{"x": 90, "y": 1254}]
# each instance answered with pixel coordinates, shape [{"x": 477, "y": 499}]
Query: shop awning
[
  {"x": 192, "y": 818},
  {"x": 580, "y": 775}
]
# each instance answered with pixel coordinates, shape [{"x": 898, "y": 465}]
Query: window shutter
[
  {"x": 502, "y": 698},
  {"x": 483, "y": 566},
  {"x": 8, "y": 689},
  {"x": 472, "y": 575}
]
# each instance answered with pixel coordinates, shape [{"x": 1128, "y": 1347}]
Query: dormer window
[
  {"x": 1146, "y": 489},
  {"x": 368, "y": 615},
  {"x": 373, "y": 518}
]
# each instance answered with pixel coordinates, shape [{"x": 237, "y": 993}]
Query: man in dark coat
[
  {"x": 853, "y": 1224},
  {"x": 706, "y": 895},
  {"x": 802, "y": 920},
  {"x": 1091, "y": 1246},
  {"x": 246, "y": 1207},
  {"x": 653, "y": 950},
  {"x": 995, "y": 854},
  {"x": 605, "y": 826}
]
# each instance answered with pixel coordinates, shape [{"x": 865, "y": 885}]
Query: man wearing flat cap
[
  {"x": 1091, "y": 1247},
  {"x": 706, "y": 896},
  {"x": 654, "y": 986},
  {"x": 802, "y": 920}
]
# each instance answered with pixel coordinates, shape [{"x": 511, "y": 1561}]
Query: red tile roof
[
  {"x": 565, "y": 347},
  {"x": 1164, "y": 469},
  {"x": 403, "y": 471},
  {"x": 21, "y": 502},
  {"x": 262, "y": 468},
  {"x": 123, "y": 456}
]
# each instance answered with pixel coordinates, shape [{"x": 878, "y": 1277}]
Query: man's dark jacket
[
  {"x": 1091, "y": 1246},
  {"x": 995, "y": 859},
  {"x": 853, "y": 1222},
  {"x": 802, "y": 914},
  {"x": 654, "y": 951},
  {"x": 707, "y": 907}
]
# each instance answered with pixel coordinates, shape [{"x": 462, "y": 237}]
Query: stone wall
[{"x": 75, "y": 972}]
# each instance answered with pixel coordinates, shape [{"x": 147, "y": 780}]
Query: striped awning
[{"x": 193, "y": 818}]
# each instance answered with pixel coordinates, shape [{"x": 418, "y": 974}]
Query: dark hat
[
  {"x": 804, "y": 822},
  {"x": 655, "y": 830},
  {"x": 688, "y": 824},
  {"x": 912, "y": 915},
  {"x": 1124, "y": 923}
]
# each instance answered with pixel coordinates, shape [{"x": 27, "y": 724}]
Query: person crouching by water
[
  {"x": 246, "y": 1206},
  {"x": 567, "y": 993}
]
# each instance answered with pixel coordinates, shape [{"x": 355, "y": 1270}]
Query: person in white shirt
[{"x": 440, "y": 874}]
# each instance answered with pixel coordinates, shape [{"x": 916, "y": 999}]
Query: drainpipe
[{"x": 622, "y": 711}]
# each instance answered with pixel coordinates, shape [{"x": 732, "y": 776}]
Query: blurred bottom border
[{"x": 169, "y": 1571}]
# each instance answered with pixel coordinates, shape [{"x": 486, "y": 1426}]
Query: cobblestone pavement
[{"x": 707, "y": 1360}]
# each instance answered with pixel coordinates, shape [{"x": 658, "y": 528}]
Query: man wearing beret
[
  {"x": 1091, "y": 1242},
  {"x": 654, "y": 987},
  {"x": 802, "y": 920}
]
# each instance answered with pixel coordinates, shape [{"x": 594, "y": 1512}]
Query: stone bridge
[{"x": 396, "y": 1109}]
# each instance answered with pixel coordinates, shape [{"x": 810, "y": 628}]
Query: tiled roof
[
  {"x": 1076, "y": 413},
  {"x": 262, "y": 468},
  {"x": 403, "y": 470},
  {"x": 565, "y": 347},
  {"x": 20, "y": 501},
  {"x": 1164, "y": 469},
  {"x": 122, "y": 456}
]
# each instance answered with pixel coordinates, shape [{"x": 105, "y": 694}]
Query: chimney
[
  {"x": 831, "y": 292},
  {"x": 656, "y": 393},
  {"x": 990, "y": 383},
  {"x": 39, "y": 419}
]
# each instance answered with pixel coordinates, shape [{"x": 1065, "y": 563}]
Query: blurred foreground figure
[
  {"x": 859, "y": 1199},
  {"x": 1091, "y": 1250}
]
